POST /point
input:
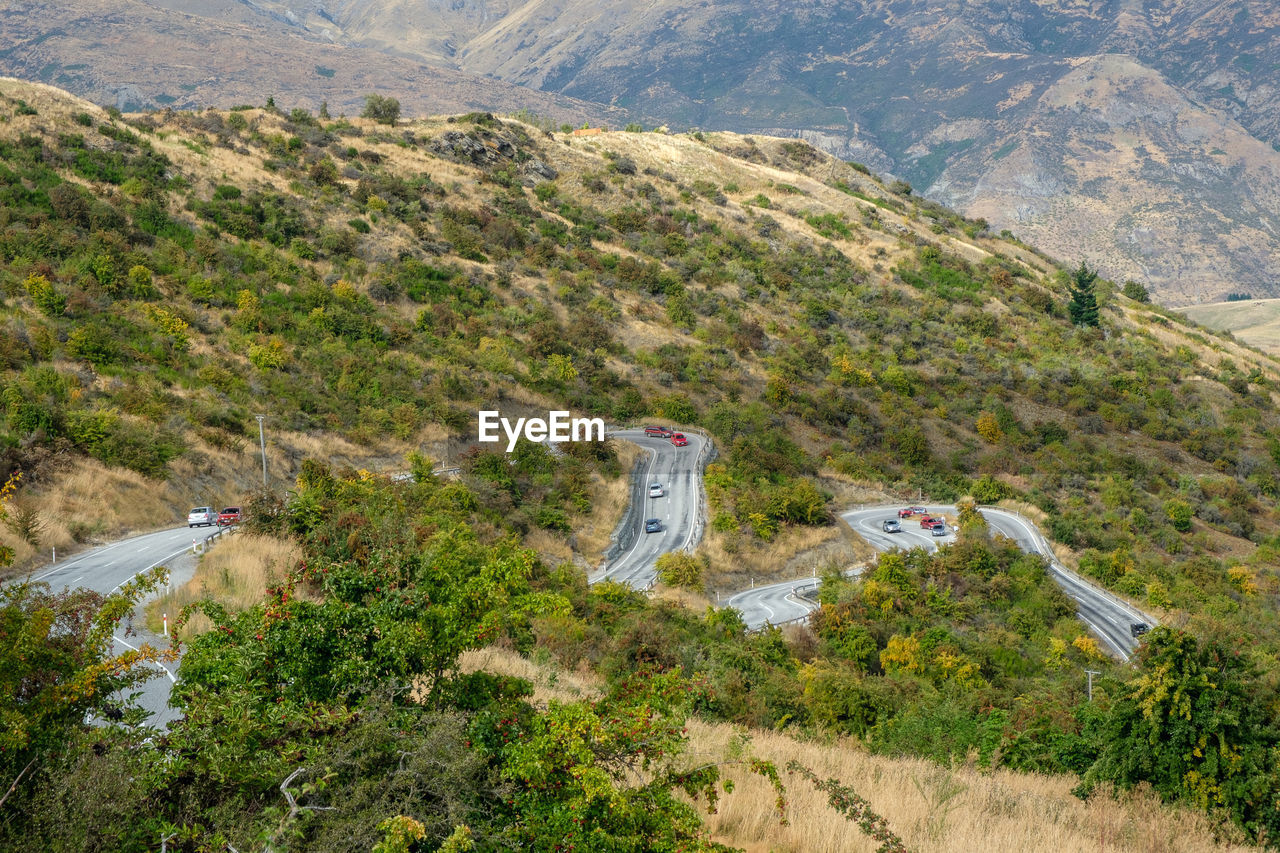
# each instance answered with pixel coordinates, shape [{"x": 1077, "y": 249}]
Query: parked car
[
  {"x": 891, "y": 525},
  {"x": 678, "y": 439},
  {"x": 658, "y": 431},
  {"x": 656, "y": 490},
  {"x": 918, "y": 510},
  {"x": 202, "y": 516},
  {"x": 906, "y": 513},
  {"x": 926, "y": 521},
  {"x": 939, "y": 529},
  {"x": 1137, "y": 629},
  {"x": 653, "y": 525},
  {"x": 229, "y": 515}
]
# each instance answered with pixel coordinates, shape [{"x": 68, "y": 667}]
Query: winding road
[
  {"x": 679, "y": 510},
  {"x": 681, "y": 514},
  {"x": 1107, "y": 616}
]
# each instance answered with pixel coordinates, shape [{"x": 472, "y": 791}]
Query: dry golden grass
[
  {"x": 932, "y": 808},
  {"x": 87, "y": 504},
  {"x": 683, "y": 597},
  {"x": 796, "y": 551},
  {"x": 548, "y": 682},
  {"x": 234, "y": 572},
  {"x": 551, "y": 547},
  {"x": 938, "y": 809}
]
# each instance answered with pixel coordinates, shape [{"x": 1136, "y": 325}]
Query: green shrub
[
  {"x": 45, "y": 296},
  {"x": 677, "y": 568}
]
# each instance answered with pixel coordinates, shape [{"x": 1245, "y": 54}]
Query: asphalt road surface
[
  {"x": 1106, "y": 615},
  {"x": 679, "y": 471},
  {"x": 109, "y": 567}
]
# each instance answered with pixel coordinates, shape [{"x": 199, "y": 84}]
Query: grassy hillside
[
  {"x": 1256, "y": 322},
  {"x": 370, "y": 288},
  {"x": 166, "y": 277}
]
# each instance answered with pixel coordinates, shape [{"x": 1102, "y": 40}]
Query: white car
[
  {"x": 202, "y": 516},
  {"x": 656, "y": 491}
]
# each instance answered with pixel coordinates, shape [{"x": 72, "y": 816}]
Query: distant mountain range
[{"x": 1139, "y": 137}]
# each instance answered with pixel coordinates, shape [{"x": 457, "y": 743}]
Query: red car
[
  {"x": 229, "y": 515},
  {"x": 678, "y": 439},
  {"x": 906, "y": 513},
  {"x": 928, "y": 521},
  {"x": 658, "y": 431}
]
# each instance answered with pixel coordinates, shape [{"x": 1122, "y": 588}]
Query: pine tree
[{"x": 1083, "y": 306}]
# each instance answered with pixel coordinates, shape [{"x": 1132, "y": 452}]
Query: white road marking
[
  {"x": 653, "y": 456},
  {"x": 163, "y": 559},
  {"x": 158, "y": 666},
  {"x": 86, "y": 555}
]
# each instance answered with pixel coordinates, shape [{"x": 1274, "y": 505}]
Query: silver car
[
  {"x": 202, "y": 516},
  {"x": 656, "y": 491}
]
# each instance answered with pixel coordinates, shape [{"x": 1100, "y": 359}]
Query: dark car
[
  {"x": 891, "y": 525},
  {"x": 658, "y": 431},
  {"x": 229, "y": 515},
  {"x": 678, "y": 439},
  {"x": 1137, "y": 629},
  {"x": 653, "y": 525},
  {"x": 938, "y": 528}
]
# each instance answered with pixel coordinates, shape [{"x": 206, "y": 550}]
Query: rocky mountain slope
[
  {"x": 1137, "y": 136},
  {"x": 134, "y": 55}
]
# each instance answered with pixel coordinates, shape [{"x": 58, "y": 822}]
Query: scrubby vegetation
[
  {"x": 162, "y": 278},
  {"x": 335, "y": 714}
]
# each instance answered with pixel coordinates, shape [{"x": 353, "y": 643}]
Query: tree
[
  {"x": 1179, "y": 513},
  {"x": 613, "y": 774},
  {"x": 1083, "y": 306},
  {"x": 56, "y": 667},
  {"x": 1193, "y": 725},
  {"x": 381, "y": 109},
  {"x": 6, "y": 493},
  {"x": 988, "y": 427},
  {"x": 1136, "y": 291},
  {"x": 676, "y": 568}
]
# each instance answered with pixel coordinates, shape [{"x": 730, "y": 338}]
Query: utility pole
[
  {"x": 262, "y": 442},
  {"x": 1091, "y": 673}
]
